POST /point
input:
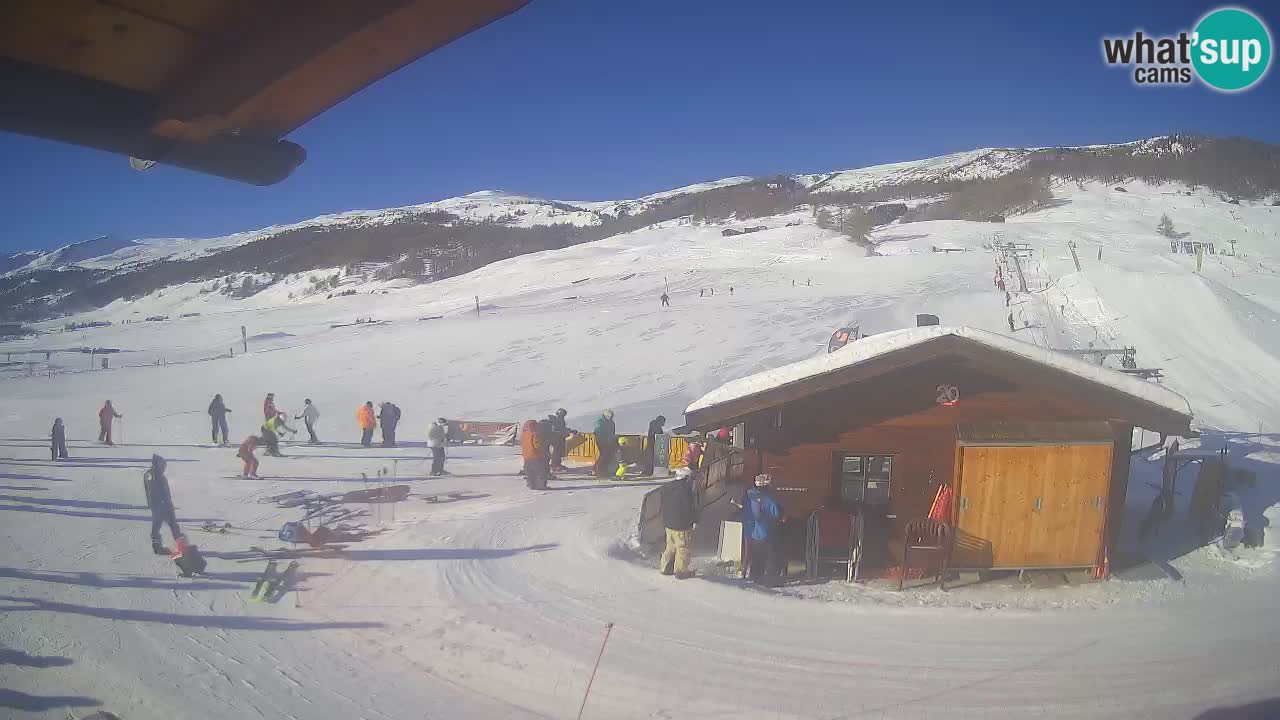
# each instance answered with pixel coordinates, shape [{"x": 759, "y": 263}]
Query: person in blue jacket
[{"x": 761, "y": 517}]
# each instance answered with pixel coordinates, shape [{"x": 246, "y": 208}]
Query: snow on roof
[{"x": 874, "y": 346}]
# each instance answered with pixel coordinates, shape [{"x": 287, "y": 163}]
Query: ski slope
[{"x": 496, "y": 605}]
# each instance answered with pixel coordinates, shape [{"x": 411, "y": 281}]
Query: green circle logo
[{"x": 1232, "y": 49}]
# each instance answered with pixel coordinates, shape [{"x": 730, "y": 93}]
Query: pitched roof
[
  {"x": 212, "y": 86},
  {"x": 1143, "y": 403}
]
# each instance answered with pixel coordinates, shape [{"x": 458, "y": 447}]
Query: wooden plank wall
[
  {"x": 923, "y": 459},
  {"x": 1001, "y": 526}
]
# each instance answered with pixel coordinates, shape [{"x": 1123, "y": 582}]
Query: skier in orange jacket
[{"x": 367, "y": 421}]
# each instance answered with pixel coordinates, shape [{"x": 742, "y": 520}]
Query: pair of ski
[
  {"x": 440, "y": 497},
  {"x": 272, "y": 584}
]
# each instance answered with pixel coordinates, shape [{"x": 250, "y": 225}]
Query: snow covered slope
[
  {"x": 972, "y": 165},
  {"x": 496, "y": 606}
]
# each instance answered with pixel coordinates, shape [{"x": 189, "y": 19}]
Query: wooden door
[
  {"x": 993, "y": 527},
  {"x": 1067, "y": 531},
  {"x": 1031, "y": 506}
]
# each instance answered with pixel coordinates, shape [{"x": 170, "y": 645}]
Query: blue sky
[{"x": 597, "y": 100}]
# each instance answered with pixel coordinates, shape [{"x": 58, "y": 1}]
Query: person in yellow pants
[{"x": 679, "y": 517}]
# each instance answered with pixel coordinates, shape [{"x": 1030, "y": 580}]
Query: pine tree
[
  {"x": 1165, "y": 227},
  {"x": 824, "y": 219}
]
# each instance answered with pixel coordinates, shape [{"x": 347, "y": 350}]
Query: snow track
[{"x": 497, "y": 606}]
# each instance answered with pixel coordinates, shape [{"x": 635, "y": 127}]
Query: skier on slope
[
  {"x": 272, "y": 429},
  {"x": 666, "y": 300},
  {"x": 1011, "y": 328},
  {"x": 218, "y": 417},
  {"x": 1007, "y": 298},
  {"x": 105, "y": 416},
  {"x": 647, "y": 460},
  {"x": 58, "y": 441},
  {"x": 160, "y": 501},
  {"x": 437, "y": 437},
  {"x": 245, "y": 453},
  {"x": 309, "y": 416},
  {"x": 389, "y": 416},
  {"x": 367, "y": 422},
  {"x": 606, "y": 435}
]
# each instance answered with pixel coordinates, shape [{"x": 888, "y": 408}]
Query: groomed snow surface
[{"x": 496, "y": 605}]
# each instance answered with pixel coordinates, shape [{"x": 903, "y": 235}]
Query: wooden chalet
[{"x": 1034, "y": 445}]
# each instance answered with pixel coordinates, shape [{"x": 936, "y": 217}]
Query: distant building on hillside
[{"x": 1190, "y": 247}]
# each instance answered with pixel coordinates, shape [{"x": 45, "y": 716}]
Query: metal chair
[
  {"x": 927, "y": 536},
  {"x": 831, "y": 535}
]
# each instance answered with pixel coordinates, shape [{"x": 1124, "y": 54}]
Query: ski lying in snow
[
  {"x": 263, "y": 581},
  {"x": 280, "y": 585},
  {"x": 440, "y": 497},
  {"x": 283, "y": 496},
  {"x": 294, "y": 553}
]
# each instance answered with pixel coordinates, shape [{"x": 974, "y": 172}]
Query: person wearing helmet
[
  {"x": 647, "y": 460},
  {"x": 679, "y": 515},
  {"x": 218, "y": 417},
  {"x": 160, "y": 502},
  {"x": 761, "y": 516},
  {"x": 367, "y": 421},
  {"x": 309, "y": 415},
  {"x": 693, "y": 455},
  {"x": 105, "y": 417},
  {"x": 606, "y": 435},
  {"x": 58, "y": 441},
  {"x": 560, "y": 433},
  {"x": 437, "y": 437}
]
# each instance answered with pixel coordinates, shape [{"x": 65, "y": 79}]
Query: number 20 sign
[{"x": 948, "y": 395}]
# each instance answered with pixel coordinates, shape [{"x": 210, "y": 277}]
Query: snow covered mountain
[
  {"x": 499, "y": 604},
  {"x": 434, "y": 240}
]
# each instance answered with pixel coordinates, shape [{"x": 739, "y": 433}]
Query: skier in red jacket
[{"x": 105, "y": 416}]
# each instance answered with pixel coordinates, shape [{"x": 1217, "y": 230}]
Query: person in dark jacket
[
  {"x": 105, "y": 417},
  {"x": 761, "y": 516},
  {"x": 647, "y": 460},
  {"x": 545, "y": 434},
  {"x": 389, "y": 416},
  {"x": 606, "y": 436},
  {"x": 156, "y": 486},
  {"x": 1011, "y": 328},
  {"x": 58, "y": 438},
  {"x": 678, "y": 517},
  {"x": 218, "y": 417},
  {"x": 437, "y": 438},
  {"x": 560, "y": 432},
  {"x": 309, "y": 415}
]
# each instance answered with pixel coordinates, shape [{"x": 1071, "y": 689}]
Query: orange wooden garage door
[{"x": 1032, "y": 506}]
